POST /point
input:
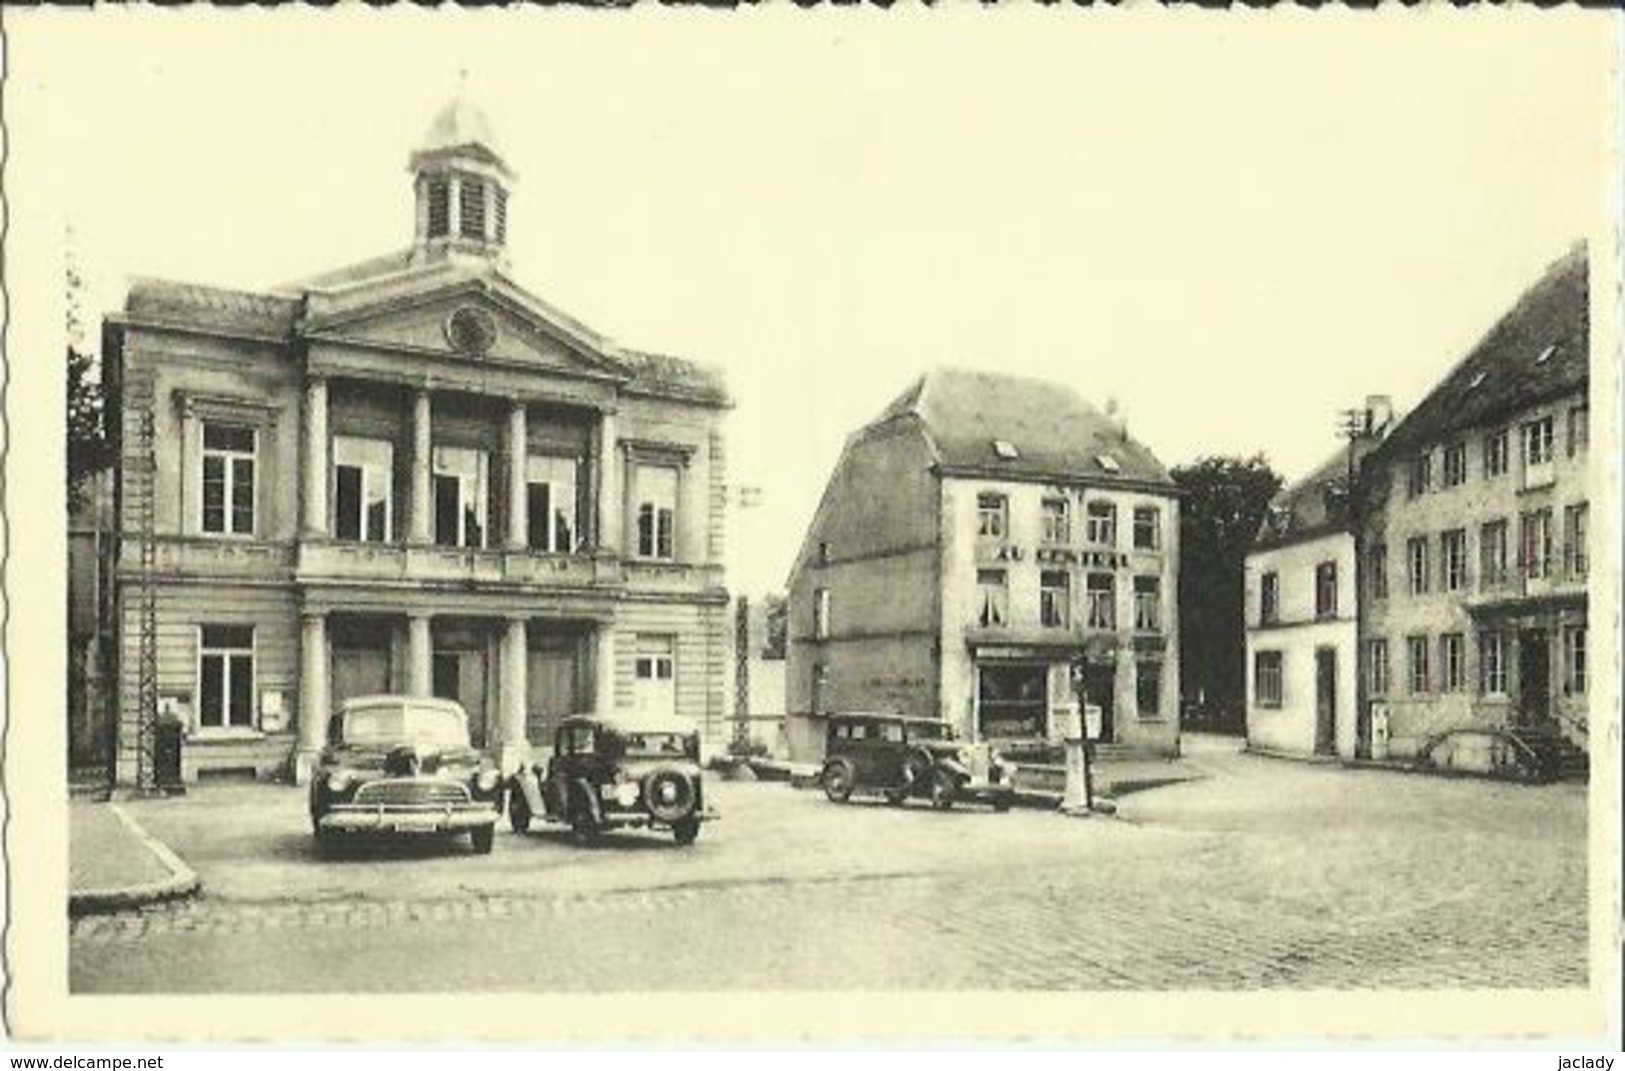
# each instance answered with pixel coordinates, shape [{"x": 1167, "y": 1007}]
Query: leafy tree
[
  {"x": 776, "y": 608},
  {"x": 88, "y": 448},
  {"x": 1226, "y": 500}
]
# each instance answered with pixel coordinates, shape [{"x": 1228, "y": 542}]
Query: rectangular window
[
  {"x": 1376, "y": 661},
  {"x": 439, "y": 208},
  {"x": 1057, "y": 522},
  {"x": 228, "y": 479},
  {"x": 1455, "y": 464},
  {"x": 1148, "y": 603},
  {"x": 1453, "y": 559},
  {"x": 1012, "y": 701},
  {"x": 654, "y": 491},
  {"x": 1492, "y": 663},
  {"x": 992, "y": 516},
  {"x": 1416, "y": 554},
  {"x": 1100, "y": 524},
  {"x": 993, "y": 598},
  {"x": 1421, "y": 475},
  {"x": 1054, "y": 599},
  {"x": 1326, "y": 590},
  {"x": 1575, "y": 562},
  {"x": 1147, "y": 528},
  {"x": 550, "y": 504},
  {"x": 1574, "y": 660},
  {"x": 820, "y": 687},
  {"x": 225, "y": 676},
  {"x": 1269, "y": 598},
  {"x": 1417, "y": 648},
  {"x": 1579, "y": 428},
  {"x": 1535, "y": 543},
  {"x": 1267, "y": 678},
  {"x": 1148, "y": 689},
  {"x": 1495, "y": 454},
  {"x": 821, "y": 614},
  {"x": 363, "y": 489},
  {"x": 1377, "y": 569},
  {"x": 461, "y": 493},
  {"x": 1537, "y": 442},
  {"x": 1101, "y": 592},
  {"x": 471, "y": 203},
  {"x": 1492, "y": 555},
  {"x": 1452, "y": 662}
]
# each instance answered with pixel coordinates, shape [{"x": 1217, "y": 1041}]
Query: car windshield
[
  {"x": 926, "y": 730},
  {"x": 398, "y": 724},
  {"x": 655, "y": 744}
]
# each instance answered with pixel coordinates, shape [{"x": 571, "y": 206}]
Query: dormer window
[
  {"x": 1478, "y": 381},
  {"x": 1546, "y": 354},
  {"x": 1108, "y": 462},
  {"x": 1006, "y": 449},
  {"x": 439, "y": 208},
  {"x": 471, "y": 204}
]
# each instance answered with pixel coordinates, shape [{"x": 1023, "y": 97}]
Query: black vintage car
[
  {"x": 400, "y": 764},
  {"x": 901, "y": 757},
  {"x": 615, "y": 772}
]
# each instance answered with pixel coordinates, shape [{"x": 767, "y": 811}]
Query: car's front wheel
[
  {"x": 582, "y": 826},
  {"x": 686, "y": 830},
  {"x": 483, "y": 837},
  {"x": 519, "y": 812},
  {"x": 943, "y": 790},
  {"x": 839, "y": 780}
]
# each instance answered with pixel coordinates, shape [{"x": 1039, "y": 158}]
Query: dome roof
[{"x": 459, "y": 124}]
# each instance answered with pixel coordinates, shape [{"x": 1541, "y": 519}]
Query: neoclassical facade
[{"x": 409, "y": 475}]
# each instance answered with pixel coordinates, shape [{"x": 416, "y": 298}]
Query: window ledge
[{"x": 219, "y": 736}]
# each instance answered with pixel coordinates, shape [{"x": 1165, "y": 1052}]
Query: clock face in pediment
[{"x": 471, "y": 329}]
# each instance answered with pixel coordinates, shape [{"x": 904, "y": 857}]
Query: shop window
[
  {"x": 228, "y": 479},
  {"x": 1267, "y": 678},
  {"x": 225, "y": 677},
  {"x": 1012, "y": 701},
  {"x": 363, "y": 489},
  {"x": 550, "y": 504}
]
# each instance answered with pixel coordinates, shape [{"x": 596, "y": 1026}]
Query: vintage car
[
  {"x": 901, "y": 757},
  {"x": 401, "y": 764},
  {"x": 620, "y": 771}
]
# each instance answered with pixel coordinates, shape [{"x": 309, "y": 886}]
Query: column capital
[
  {"x": 414, "y": 613},
  {"x": 313, "y": 616}
]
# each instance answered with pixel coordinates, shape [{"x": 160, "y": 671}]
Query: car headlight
[
  {"x": 486, "y": 780},
  {"x": 341, "y": 781},
  {"x": 626, "y": 793}
]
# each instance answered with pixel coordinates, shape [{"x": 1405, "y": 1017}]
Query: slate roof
[
  {"x": 1056, "y": 434},
  {"x": 359, "y": 272},
  {"x": 1314, "y": 505},
  {"x": 662, "y": 374},
  {"x": 193, "y": 304},
  {"x": 1502, "y": 373}
]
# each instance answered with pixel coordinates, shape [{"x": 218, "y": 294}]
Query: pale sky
[{"x": 1233, "y": 224}]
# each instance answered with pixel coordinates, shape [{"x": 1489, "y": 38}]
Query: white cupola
[{"x": 462, "y": 186}]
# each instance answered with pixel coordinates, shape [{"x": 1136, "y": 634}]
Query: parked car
[
  {"x": 620, "y": 771},
  {"x": 902, "y": 757},
  {"x": 403, "y": 764}
]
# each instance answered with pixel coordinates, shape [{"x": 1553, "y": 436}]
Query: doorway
[
  {"x": 552, "y": 685},
  {"x": 1100, "y": 688},
  {"x": 1534, "y": 675},
  {"x": 1325, "y": 701},
  {"x": 460, "y": 675}
]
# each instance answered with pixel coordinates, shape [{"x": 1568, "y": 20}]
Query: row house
[
  {"x": 1477, "y": 540},
  {"x": 1301, "y": 633},
  {"x": 409, "y": 475},
  {"x": 988, "y": 551}
]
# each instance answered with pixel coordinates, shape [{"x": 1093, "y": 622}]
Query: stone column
[
  {"x": 421, "y": 530},
  {"x": 604, "y": 669},
  {"x": 515, "y": 748},
  {"x": 313, "y": 694},
  {"x": 518, "y": 515},
  {"x": 314, "y": 521},
  {"x": 419, "y": 656},
  {"x": 611, "y": 504}
]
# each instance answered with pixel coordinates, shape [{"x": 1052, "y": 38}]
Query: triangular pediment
[{"x": 482, "y": 319}]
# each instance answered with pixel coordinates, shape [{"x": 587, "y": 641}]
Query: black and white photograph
[{"x": 945, "y": 524}]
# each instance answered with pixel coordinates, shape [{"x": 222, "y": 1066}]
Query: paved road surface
[{"x": 1262, "y": 874}]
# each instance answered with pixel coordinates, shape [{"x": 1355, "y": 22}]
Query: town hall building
[{"x": 408, "y": 475}]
